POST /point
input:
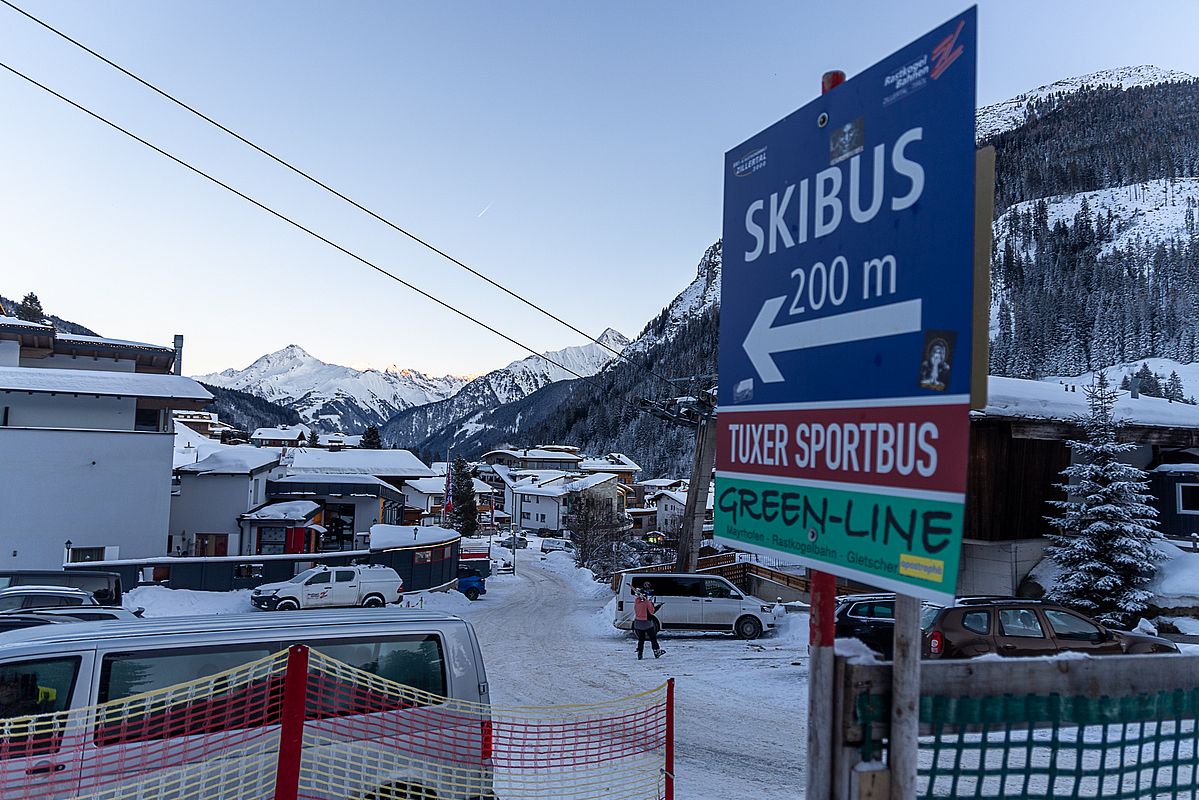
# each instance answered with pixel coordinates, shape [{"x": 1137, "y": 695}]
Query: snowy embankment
[
  {"x": 1176, "y": 584},
  {"x": 159, "y": 601},
  {"x": 1188, "y": 373}
]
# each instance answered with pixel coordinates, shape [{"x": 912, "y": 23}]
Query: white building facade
[{"x": 86, "y": 447}]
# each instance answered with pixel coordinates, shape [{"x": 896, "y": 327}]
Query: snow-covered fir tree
[
  {"x": 464, "y": 511},
  {"x": 1105, "y": 544},
  {"x": 1174, "y": 390},
  {"x": 370, "y": 439}
]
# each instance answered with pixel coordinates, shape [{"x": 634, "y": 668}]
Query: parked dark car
[
  {"x": 870, "y": 618},
  {"x": 105, "y": 586},
  {"x": 1020, "y": 627},
  {"x": 471, "y": 583}
]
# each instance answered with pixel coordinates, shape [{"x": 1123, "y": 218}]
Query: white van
[
  {"x": 367, "y": 585},
  {"x": 694, "y": 601},
  {"x": 74, "y": 666}
]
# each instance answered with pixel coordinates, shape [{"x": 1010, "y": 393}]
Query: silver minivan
[
  {"x": 76, "y": 666},
  {"x": 698, "y": 602}
]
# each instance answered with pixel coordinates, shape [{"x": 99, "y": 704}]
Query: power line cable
[
  {"x": 283, "y": 162},
  {"x": 308, "y": 230}
]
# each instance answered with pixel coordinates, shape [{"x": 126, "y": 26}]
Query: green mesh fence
[{"x": 1049, "y": 746}]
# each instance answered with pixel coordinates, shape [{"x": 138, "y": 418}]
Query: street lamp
[{"x": 67, "y": 544}]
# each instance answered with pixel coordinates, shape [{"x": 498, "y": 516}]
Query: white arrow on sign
[{"x": 764, "y": 339}]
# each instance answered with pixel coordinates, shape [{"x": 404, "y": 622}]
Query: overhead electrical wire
[
  {"x": 427, "y": 295},
  {"x": 283, "y": 162}
]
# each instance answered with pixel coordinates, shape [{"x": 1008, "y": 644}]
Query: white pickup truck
[{"x": 325, "y": 587}]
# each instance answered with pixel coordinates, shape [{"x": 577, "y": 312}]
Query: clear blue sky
[{"x": 591, "y": 134}]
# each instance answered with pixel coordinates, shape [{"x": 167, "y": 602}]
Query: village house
[
  {"x": 212, "y": 493},
  {"x": 205, "y": 423},
  {"x": 291, "y": 436},
  {"x": 1018, "y": 448},
  {"x": 348, "y": 504},
  {"x": 424, "y": 498},
  {"x": 90, "y": 416},
  {"x": 542, "y": 500}
]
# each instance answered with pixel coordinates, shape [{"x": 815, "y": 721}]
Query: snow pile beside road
[
  {"x": 855, "y": 650},
  {"x": 159, "y": 601},
  {"x": 1176, "y": 584},
  {"x": 582, "y": 580}
]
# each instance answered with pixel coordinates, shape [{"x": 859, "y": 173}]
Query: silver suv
[{"x": 29, "y": 597}]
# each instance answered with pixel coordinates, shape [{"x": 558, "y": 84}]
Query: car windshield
[{"x": 305, "y": 575}]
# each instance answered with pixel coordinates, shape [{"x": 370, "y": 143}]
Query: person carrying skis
[{"x": 644, "y": 623}]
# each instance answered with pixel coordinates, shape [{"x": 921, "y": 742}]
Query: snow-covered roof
[
  {"x": 389, "y": 537},
  {"x": 124, "y": 344},
  {"x": 681, "y": 498},
  {"x": 536, "y": 454},
  {"x": 191, "y": 447},
  {"x": 290, "y": 510},
  {"x": 42, "y": 380},
  {"x": 358, "y": 479},
  {"x": 440, "y": 467},
  {"x": 16, "y": 322},
  {"x": 346, "y": 439},
  {"x": 241, "y": 459},
  {"x": 659, "y": 482},
  {"x": 290, "y": 433},
  {"x": 1014, "y": 398},
  {"x": 617, "y": 460},
  {"x": 1186, "y": 469},
  {"x": 560, "y": 488},
  {"x": 382, "y": 463},
  {"x": 436, "y": 485}
]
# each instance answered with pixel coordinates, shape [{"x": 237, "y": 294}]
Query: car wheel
[
  {"x": 748, "y": 628},
  {"x": 374, "y": 601},
  {"x": 287, "y": 605},
  {"x": 472, "y": 594}
]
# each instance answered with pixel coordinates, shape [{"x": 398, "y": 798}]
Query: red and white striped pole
[
  {"x": 291, "y": 724},
  {"x": 668, "y": 767},
  {"x": 821, "y": 664}
]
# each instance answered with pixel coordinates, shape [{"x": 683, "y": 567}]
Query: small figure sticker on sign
[{"x": 938, "y": 358}]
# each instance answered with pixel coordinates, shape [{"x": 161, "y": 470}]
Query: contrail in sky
[{"x": 485, "y": 210}]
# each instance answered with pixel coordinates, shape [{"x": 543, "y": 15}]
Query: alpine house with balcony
[{"x": 86, "y": 447}]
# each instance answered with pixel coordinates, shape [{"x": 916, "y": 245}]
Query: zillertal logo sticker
[{"x": 750, "y": 163}]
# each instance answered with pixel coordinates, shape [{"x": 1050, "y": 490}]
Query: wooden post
[
  {"x": 691, "y": 533},
  {"x": 291, "y": 724},
  {"x": 905, "y": 699},
  {"x": 821, "y": 661}
]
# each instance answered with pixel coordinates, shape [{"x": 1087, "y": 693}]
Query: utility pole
[
  {"x": 691, "y": 534},
  {"x": 699, "y": 413}
]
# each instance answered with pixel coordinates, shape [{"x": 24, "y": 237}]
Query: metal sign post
[{"x": 847, "y": 336}]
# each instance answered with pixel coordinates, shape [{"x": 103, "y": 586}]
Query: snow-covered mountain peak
[
  {"x": 698, "y": 297},
  {"x": 997, "y": 118},
  {"x": 332, "y": 396},
  {"x": 614, "y": 339}
]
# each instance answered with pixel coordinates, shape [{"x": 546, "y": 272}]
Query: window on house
[
  {"x": 1188, "y": 498},
  {"x": 146, "y": 419},
  {"x": 524, "y": 515},
  {"x": 422, "y": 557},
  {"x": 247, "y": 571},
  {"x": 81, "y": 554}
]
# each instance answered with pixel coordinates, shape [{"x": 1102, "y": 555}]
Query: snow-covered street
[{"x": 547, "y": 638}]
